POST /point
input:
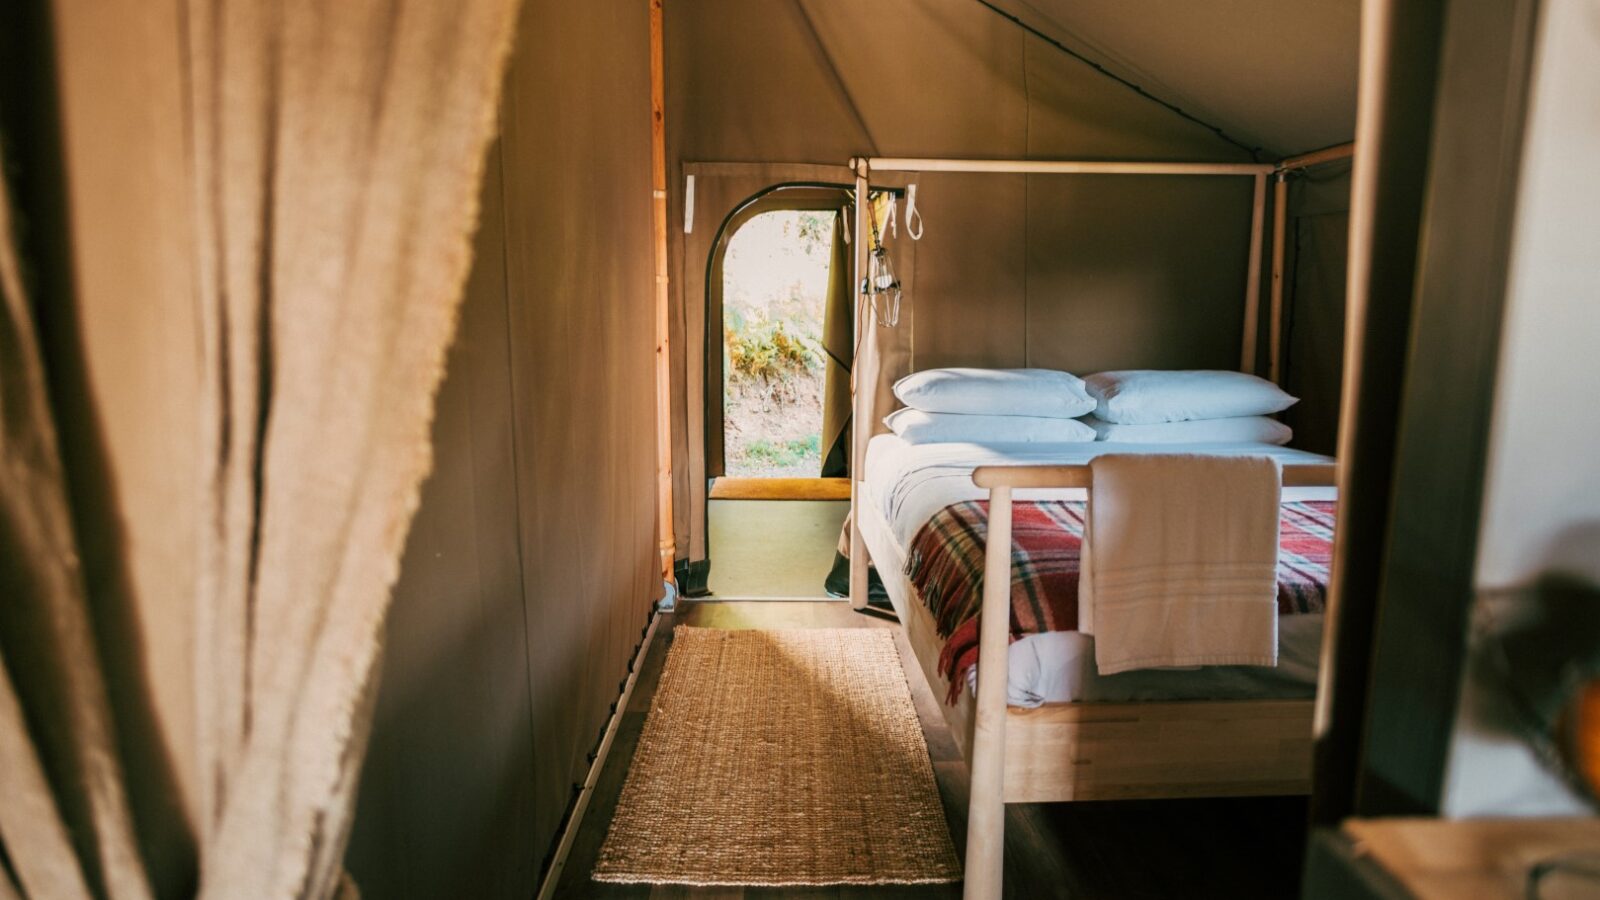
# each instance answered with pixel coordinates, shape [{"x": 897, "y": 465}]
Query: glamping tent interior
[{"x": 412, "y": 488}]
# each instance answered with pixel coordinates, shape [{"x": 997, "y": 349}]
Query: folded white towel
[{"x": 1180, "y": 561}]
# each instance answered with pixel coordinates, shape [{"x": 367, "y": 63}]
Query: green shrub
[
  {"x": 768, "y": 350},
  {"x": 783, "y": 454}
]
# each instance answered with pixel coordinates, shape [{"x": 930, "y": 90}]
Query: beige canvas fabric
[
  {"x": 63, "y": 835},
  {"x": 1080, "y": 273},
  {"x": 338, "y": 152}
]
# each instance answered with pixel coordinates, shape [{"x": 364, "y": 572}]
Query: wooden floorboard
[{"x": 1230, "y": 848}]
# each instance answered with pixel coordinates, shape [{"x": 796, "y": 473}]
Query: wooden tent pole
[
  {"x": 658, "y": 217},
  {"x": 1280, "y": 213},
  {"x": 861, "y": 392},
  {"x": 1252, "y": 289},
  {"x": 1317, "y": 157},
  {"x": 1064, "y": 167}
]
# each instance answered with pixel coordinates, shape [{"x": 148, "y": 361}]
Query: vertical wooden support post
[
  {"x": 986, "y": 811},
  {"x": 1280, "y": 219},
  {"x": 658, "y": 217},
  {"x": 1252, "y": 289},
  {"x": 861, "y": 390}
]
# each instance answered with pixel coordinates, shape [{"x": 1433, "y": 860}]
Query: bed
[
  {"x": 1051, "y": 678},
  {"x": 1070, "y": 735},
  {"x": 908, "y": 485},
  {"x": 1061, "y": 731}
]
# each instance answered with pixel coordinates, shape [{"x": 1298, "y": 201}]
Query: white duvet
[{"x": 908, "y": 483}]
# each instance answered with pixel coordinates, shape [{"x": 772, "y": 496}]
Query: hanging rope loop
[{"x": 913, "y": 216}]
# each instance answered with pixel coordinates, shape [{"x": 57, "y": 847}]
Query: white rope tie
[{"x": 913, "y": 217}]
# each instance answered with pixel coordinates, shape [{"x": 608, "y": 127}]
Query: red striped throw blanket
[{"x": 946, "y": 566}]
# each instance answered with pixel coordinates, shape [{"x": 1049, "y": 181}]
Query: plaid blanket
[{"x": 946, "y": 566}]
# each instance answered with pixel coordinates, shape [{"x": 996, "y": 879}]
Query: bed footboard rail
[{"x": 986, "y": 811}]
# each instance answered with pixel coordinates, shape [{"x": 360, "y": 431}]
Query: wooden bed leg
[{"x": 986, "y": 810}]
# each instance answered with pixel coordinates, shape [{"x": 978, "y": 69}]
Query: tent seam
[
  {"x": 1255, "y": 152},
  {"x": 838, "y": 79}
]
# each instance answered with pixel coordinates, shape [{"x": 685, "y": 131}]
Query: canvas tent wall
[
  {"x": 1077, "y": 273},
  {"x": 532, "y": 568}
]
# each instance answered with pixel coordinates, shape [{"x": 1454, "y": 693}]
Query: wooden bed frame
[{"x": 1085, "y": 750}]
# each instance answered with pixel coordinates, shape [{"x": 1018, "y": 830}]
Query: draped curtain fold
[
  {"x": 838, "y": 345},
  {"x": 65, "y": 825},
  {"x": 336, "y": 152}
]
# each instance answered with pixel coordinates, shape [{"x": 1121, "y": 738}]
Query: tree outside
[{"x": 774, "y": 288}]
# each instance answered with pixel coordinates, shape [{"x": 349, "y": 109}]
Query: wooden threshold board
[{"x": 726, "y": 488}]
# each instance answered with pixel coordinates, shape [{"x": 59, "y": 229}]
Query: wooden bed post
[
  {"x": 1252, "y": 284},
  {"x": 986, "y": 808},
  {"x": 1280, "y": 218},
  {"x": 860, "y": 393}
]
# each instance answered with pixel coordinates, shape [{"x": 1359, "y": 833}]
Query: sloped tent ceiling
[
  {"x": 1083, "y": 273},
  {"x": 946, "y": 77},
  {"x": 1276, "y": 74}
]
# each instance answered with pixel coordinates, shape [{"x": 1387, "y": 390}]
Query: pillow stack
[
  {"x": 992, "y": 406},
  {"x": 1014, "y": 406},
  {"x": 1145, "y": 406}
]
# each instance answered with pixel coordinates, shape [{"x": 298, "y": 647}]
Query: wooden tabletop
[{"x": 1475, "y": 858}]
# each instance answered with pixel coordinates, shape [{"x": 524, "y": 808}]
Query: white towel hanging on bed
[{"x": 1180, "y": 561}]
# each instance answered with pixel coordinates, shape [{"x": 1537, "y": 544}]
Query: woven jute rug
[{"x": 780, "y": 758}]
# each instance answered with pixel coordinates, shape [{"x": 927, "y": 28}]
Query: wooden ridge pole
[
  {"x": 1317, "y": 157},
  {"x": 1063, "y": 167}
]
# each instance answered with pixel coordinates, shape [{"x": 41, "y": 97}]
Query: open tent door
[
  {"x": 703, "y": 217},
  {"x": 774, "y": 276}
]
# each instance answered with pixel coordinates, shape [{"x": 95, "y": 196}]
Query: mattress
[{"x": 907, "y": 484}]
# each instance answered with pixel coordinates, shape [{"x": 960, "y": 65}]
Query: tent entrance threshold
[{"x": 728, "y": 488}]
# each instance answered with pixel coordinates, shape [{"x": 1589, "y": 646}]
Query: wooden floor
[{"x": 1241, "y": 848}]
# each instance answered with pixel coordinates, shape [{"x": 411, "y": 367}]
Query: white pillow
[
  {"x": 1146, "y": 397},
  {"x": 919, "y": 427},
  {"x": 996, "y": 392},
  {"x": 1252, "y": 429}
]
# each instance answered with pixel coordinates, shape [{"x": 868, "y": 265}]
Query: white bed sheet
[{"x": 908, "y": 483}]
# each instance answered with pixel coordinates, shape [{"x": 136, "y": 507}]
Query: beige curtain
[
  {"x": 338, "y": 153},
  {"x": 64, "y": 816}
]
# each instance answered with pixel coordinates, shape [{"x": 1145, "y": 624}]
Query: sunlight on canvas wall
[{"x": 774, "y": 288}]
